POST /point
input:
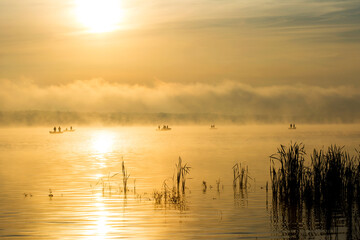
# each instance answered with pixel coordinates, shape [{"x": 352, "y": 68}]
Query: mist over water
[
  {"x": 32, "y": 161},
  {"x": 98, "y": 100}
]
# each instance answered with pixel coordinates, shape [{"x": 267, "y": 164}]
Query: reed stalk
[{"x": 125, "y": 177}]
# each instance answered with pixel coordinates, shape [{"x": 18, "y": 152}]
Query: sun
[{"x": 99, "y": 16}]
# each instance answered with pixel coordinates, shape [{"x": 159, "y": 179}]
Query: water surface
[{"x": 32, "y": 161}]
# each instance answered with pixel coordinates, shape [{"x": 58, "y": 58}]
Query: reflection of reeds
[
  {"x": 240, "y": 184},
  {"x": 336, "y": 176},
  {"x": 218, "y": 185},
  {"x": 329, "y": 186},
  {"x": 50, "y": 193}
]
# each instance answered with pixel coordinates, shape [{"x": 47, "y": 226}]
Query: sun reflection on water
[
  {"x": 101, "y": 226},
  {"x": 102, "y": 142},
  {"x": 102, "y": 145}
]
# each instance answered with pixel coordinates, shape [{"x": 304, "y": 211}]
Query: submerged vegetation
[
  {"x": 331, "y": 175},
  {"x": 125, "y": 177},
  {"x": 328, "y": 185},
  {"x": 169, "y": 194},
  {"x": 322, "y": 189},
  {"x": 107, "y": 182},
  {"x": 241, "y": 176},
  {"x": 173, "y": 190},
  {"x": 176, "y": 193}
]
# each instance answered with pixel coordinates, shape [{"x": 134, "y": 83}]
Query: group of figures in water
[
  {"x": 59, "y": 130},
  {"x": 166, "y": 127},
  {"x": 163, "y": 128}
]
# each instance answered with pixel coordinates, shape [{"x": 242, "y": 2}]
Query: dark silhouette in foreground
[{"x": 315, "y": 199}]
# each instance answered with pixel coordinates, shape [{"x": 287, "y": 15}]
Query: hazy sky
[{"x": 254, "y": 44}]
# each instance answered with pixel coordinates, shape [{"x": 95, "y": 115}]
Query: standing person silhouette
[
  {"x": 54, "y": 129},
  {"x": 59, "y": 129}
]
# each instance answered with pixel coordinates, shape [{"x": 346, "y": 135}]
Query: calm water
[{"x": 71, "y": 164}]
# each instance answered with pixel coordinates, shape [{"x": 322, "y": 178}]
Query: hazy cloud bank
[{"x": 229, "y": 97}]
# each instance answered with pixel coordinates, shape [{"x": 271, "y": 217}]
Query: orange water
[{"x": 71, "y": 164}]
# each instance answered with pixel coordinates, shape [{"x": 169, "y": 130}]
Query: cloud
[
  {"x": 328, "y": 20},
  {"x": 227, "y": 97}
]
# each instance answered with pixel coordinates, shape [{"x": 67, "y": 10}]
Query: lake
[{"x": 88, "y": 199}]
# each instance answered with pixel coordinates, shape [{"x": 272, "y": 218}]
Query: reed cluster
[
  {"x": 288, "y": 180},
  {"x": 176, "y": 193},
  {"x": 106, "y": 183},
  {"x": 320, "y": 191},
  {"x": 332, "y": 175},
  {"x": 335, "y": 174},
  {"x": 240, "y": 176}
]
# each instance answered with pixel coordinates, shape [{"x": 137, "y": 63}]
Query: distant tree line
[{"x": 49, "y": 118}]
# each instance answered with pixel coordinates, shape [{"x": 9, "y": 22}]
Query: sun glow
[
  {"x": 103, "y": 142},
  {"x": 99, "y": 15}
]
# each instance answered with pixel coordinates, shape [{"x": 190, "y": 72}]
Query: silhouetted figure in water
[
  {"x": 159, "y": 127},
  {"x": 290, "y": 125},
  {"x": 59, "y": 129},
  {"x": 294, "y": 125},
  {"x": 54, "y": 129},
  {"x": 70, "y": 128}
]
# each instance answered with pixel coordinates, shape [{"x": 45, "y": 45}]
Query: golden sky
[{"x": 257, "y": 43}]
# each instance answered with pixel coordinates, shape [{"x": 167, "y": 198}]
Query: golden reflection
[
  {"x": 99, "y": 15},
  {"x": 98, "y": 176},
  {"x": 103, "y": 142},
  {"x": 101, "y": 227}
]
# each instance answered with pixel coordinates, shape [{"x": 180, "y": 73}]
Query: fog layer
[{"x": 286, "y": 102}]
